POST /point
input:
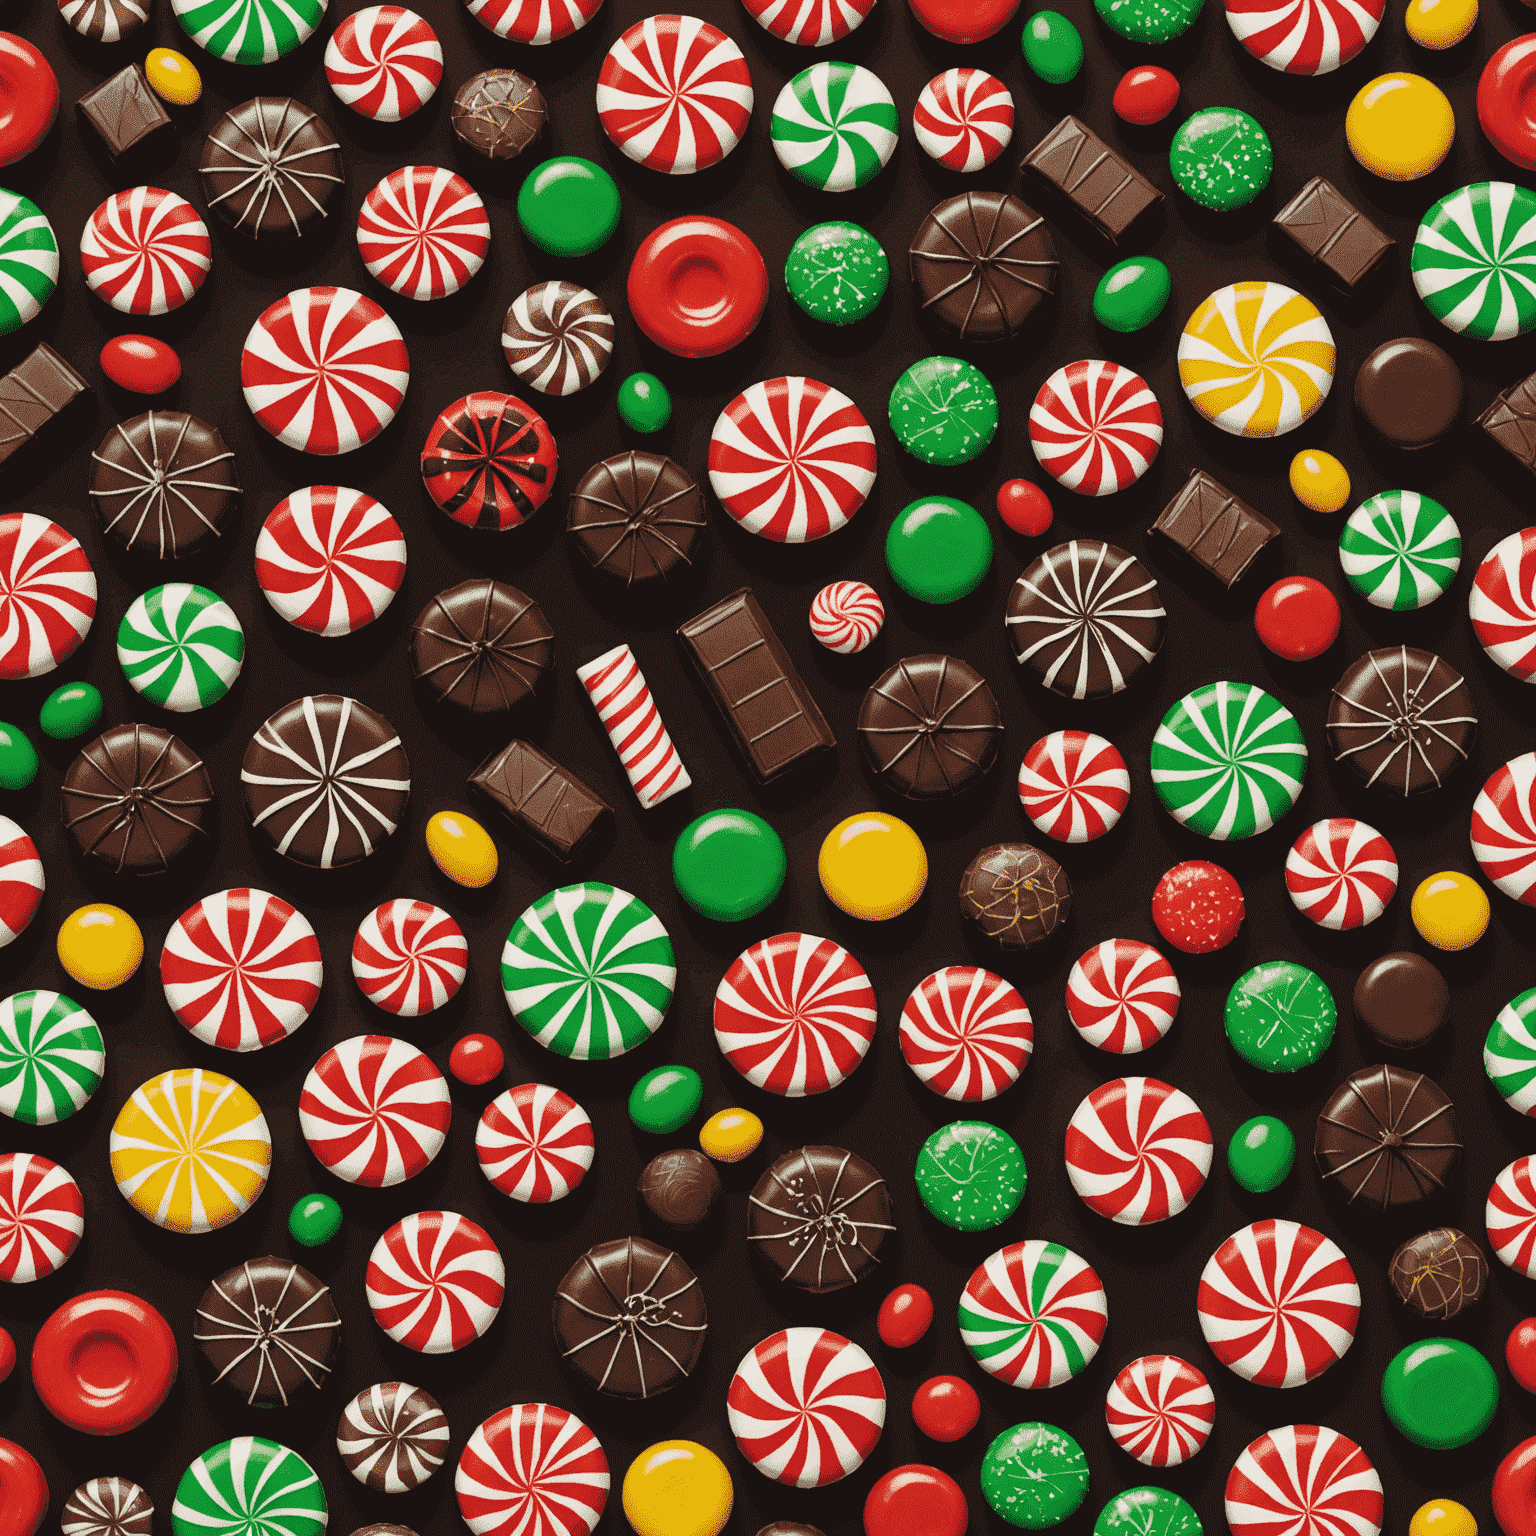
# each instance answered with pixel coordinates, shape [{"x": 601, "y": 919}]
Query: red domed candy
[
  {"x": 1198, "y": 907},
  {"x": 23, "y": 1491},
  {"x": 475, "y": 1060},
  {"x": 1146, "y": 95},
  {"x": 7, "y": 1355},
  {"x": 1514, "y": 1491},
  {"x": 1024, "y": 507},
  {"x": 1519, "y": 1354},
  {"x": 1297, "y": 618},
  {"x": 104, "y": 1362},
  {"x": 140, "y": 363},
  {"x": 29, "y": 98},
  {"x": 697, "y": 286},
  {"x": 917, "y": 1498},
  {"x": 1506, "y": 101},
  {"x": 905, "y": 1316},
  {"x": 946, "y": 1408},
  {"x": 964, "y": 21}
]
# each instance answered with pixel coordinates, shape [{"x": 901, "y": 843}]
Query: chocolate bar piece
[
  {"x": 749, "y": 675},
  {"x": 35, "y": 391},
  {"x": 123, "y": 110},
  {"x": 1510, "y": 421},
  {"x": 1111, "y": 193},
  {"x": 540, "y": 798},
  {"x": 1216, "y": 530},
  {"x": 1326, "y": 226}
]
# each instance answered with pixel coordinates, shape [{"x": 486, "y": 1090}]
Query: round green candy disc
[
  {"x": 1261, "y": 1154},
  {"x": 70, "y": 711},
  {"x": 313, "y": 1220},
  {"x": 1034, "y": 1476},
  {"x": 249, "y": 1486},
  {"x": 1053, "y": 47},
  {"x": 18, "y": 758},
  {"x": 1132, "y": 294},
  {"x": 729, "y": 865},
  {"x": 1440, "y": 1393},
  {"x": 666, "y": 1099},
  {"x": 971, "y": 1175},
  {"x": 568, "y": 206},
  {"x": 1474, "y": 260},
  {"x": 938, "y": 549},
  {"x": 1400, "y": 550},
  {"x": 943, "y": 410},
  {"x": 1148, "y": 21},
  {"x": 1221, "y": 158},
  {"x": 837, "y": 272},
  {"x": 834, "y": 126},
  {"x": 644, "y": 402},
  {"x": 1148, "y": 1511},
  {"x": 1280, "y": 1016}
]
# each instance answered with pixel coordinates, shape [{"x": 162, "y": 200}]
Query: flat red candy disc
[
  {"x": 104, "y": 1362},
  {"x": 1506, "y": 100},
  {"x": 697, "y": 286},
  {"x": 23, "y": 1491},
  {"x": 964, "y": 21},
  {"x": 1198, "y": 907},
  {"x": 29, "y": 98},
  {"x": 1297, "y": 618},
  {"x": 917, "y": 1498}
]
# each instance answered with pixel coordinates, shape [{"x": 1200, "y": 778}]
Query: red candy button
[
  {"x": 140, "y": 363},
  {"x": 1514, "y": 1491},
  {"x": 916, "y": 1498},
  {"x": 7, "y": 1355},
  {"x": 1024, "y": 507},
  {"x": 104, "y": 1362},
  {"x": 475, "y": 1060},
  {"x": 697, "y": 286},
  {"x": 1146, "y": 95},
  {"x": 1198, "y": 907},
  {"x": 1298, "y": 618},
  {"x": 23, "y": 1491},
  {"x": 946, "y": 1408},
  {"x": 1506, "y": 101},
  {"x": 964, "y": 21},
  {"x": 905, "y": 1316},
  {"x": 29, "y": 98},
  {"x": 1519, "y": 1353}
]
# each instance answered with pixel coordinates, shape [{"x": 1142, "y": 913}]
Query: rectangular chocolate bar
[
  {"x": 123, "y": 110},
  {"x": 35, "y": 391},
  {"x": 1511, "y": 421},
  {"x": 748, "y": 673},
  {"x": 540, "y": 798},
  {"x": 1326, "y": 226},
  {"x": 1107, "y": 190},
  {"x": 1214, "y": 528}
]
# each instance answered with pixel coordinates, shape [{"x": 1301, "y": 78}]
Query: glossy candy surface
[{"x": 144, "y": 364}]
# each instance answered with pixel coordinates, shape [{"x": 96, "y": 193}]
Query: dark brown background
[{"x": 882, "y": 1112}]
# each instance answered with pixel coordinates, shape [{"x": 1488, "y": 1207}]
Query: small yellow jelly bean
[
  {"x": 1442, "y": 1517},
  {"x": 100, "y": 946},
  {"x": 174, "y": 76},
  {"x": 1450, "y": 910},
  {"x": 731, "y": 1135},
  {"x": 873, "y": 866},
  {"x": 1400, "y": 126},
  {"x": 462, "y": 849},
  {"x": 1318, "y": 481},
  {"x": 1440, "y": 24},
  {"x": 678, "y": 1488}
]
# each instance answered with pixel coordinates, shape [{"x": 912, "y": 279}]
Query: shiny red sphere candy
[
  {"x": 23, "y": 1491},
  {"x": 7, "y": 1355},
  {"x": 1514, "y": 1491},
  {"x": 1506, "y": 100},
  {"x": 1024, "y": 507},
  {"x": 916, "y": 1499},
  {"x": 905, "y": 1316},
  {"x": 29, "y": 98},
  {"x": 140, "y": 363},
  {"x": 1520, "y": 1353},
  {"x": 964, "y": 21},
  {"x": 1297, "y": 618},
  {"x": 1146, "y": 95},
  {"x": 946, "y": 1408},
  {"x": 475, "y": 1060}
]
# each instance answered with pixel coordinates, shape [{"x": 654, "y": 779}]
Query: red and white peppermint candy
[
  {"x": 435, "y": 1282},
  {"x": 423, "y": 232},
  {"x": 324, "y": 370},
  {"x": 534, "y": 1143},
  {"x": 791, "y": 459},
  {"x": 47, "y": 595},
  {"x": 241, "y": 969},
  {"x": 329, "y": 559},
  {"x": 532, "y": 1470},
  {"x": 1278, "y": 1303},
  {"x": 535, "y": 21},
  {"x": 674, "y": 94},
  {"x": 1160, "y": 1409},
  {"x": 846, "y": 616},
  {"x": 145, "y": 251},
  {"x": 1341, "y": 873},
  {"x": 966, "y": 1033},
  {"x": 1095, "y": 427},
  {"x": 384, "y": 62},
  {"x": 1510, "y": 1216},
  {"x": 964, "y": 119},
  {"x": 1502, "y": 604},
  {"x": 1138, "y": 1150},
  {"x": 21, "y": 881},
  {"x": 375, "y": 1111},
  {"x": 1122, "y": 996},
  {"x": 811, "y": 23},
  {"x": 806, "y": 1407},
  {"x": 1504, "y": 828},
  {"x": 42, "y": 1217},
  {"x": 1304, "y": 37},
  {"x": 795, "y": 1014},
  {"x": 409, "y": 957},
  {"x": 1304, "y": 1480},
  {"x": 1074, "y": 785}
]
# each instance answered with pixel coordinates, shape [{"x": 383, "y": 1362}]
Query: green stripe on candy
[
  {"x": 249, "y": 31},
  {"x": 29, "y": 260},
  {"x": 943, "y": 410},
  {"x": 51, "y": 1057},
  {"x": 588, "y": 971},
  {"x": 1474, "y": 260},
  {"x": 834, "y": 126},
  {"x": 181, "y": 646},
  {"x": 1509, "y": 1053},
  {"x": 1400, "y": 550},
  {"x": 249, "y": 1486}
]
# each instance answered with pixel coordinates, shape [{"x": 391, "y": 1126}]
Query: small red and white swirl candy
[
  {"x": 1160, "y": 1409},
  {"x": 1504, "y": 828},
  {"x": 384, "y": 62},
  {"x": 1304, "y": 1480},
  {"x": 435, "y": 1282},
  {"x": 1341, "y": 873},
  {"x": 423, "y": 232},
  {"x": 1074, "y": 786},
  {"x": 1304, "y": 37},
  {"x": 21, "y": 881},
  {"x": 1138, "y": 1150},
  {"x": 964, "y": 119},
  {"x": 534, "y": 21},
  {"x": 409, "y": 957},
  {"x": 810, "y": 23},
  {"x": 47, "y": 595},
  {"x": 145, "y": 251},
  {"x": 1510, "y": 1216},
  {"x": 534, "y": 1143},
  {"x": 42, "y": 1217},
  {"x": 1095, "y": 427},
  {"x": 966, "y": 1033},
  {"x": 532, "y": 1470},
  {"x": 846, "y": 616},
  {"x": 1122, "y": 996}
]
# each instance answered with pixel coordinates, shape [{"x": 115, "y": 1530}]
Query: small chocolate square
[
  {"x": 123, "y": 110},
  {"x": 1214, "y": 528},
  {"x": 1108, "y": 191},
  {"x": 38, "y": 389},
  {"x": 1326, "y": 226},
  {"x": 541, "y": 799},
  {"x": 1510, "y": 420}
]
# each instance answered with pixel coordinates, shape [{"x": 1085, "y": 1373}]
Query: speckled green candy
[
  {"x": 249, "y": 31},
  {"x": 1261, "y": 1154},
  {"x": 1148, "y": 21},
  {"x": 665, "y": 1100},
  {"x": 837, "y": 272},
  {"x": 938, "y": 549},
  {"x": 1400, "y": 550},
  {"x": 1034, "y": 1476},
  {"x": 51, "y": 1057},
  {"x": 1148, "y": 1511},
  {"x": 181, "y": 646},
  {"x": 1280, "y": 1016},
  {"x": 1509, "y": 1052},
  {"x": 70, "y": 710},
  {"x": 29, "y": 260},
  {"x": 943, "y": 410},
  {"x": 971, "y": 1175},
  {"x": 249, "y": 1486},
  {"x": 1440, "y": 1393},
  {"x": 1221, "y": 158},
  {"x": 1132, "y": 294},
  {"x": 1053, "y": 47}
]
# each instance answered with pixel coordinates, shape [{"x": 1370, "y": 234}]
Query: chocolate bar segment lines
[
  {"x": 1108, "y": 191},
  {"x": 542, "y": 799},
  {"x": 1214, "y": 528},
  {"x": 1510, "y": 420},
  {"x": 32, "y": 394},
  {"x": 1326, "y": 226}
]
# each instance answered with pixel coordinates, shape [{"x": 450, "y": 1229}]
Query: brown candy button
[
  {"x": 1439, "y": 1273},
  {"x": 1402, "y": 999},
  {"x": 1387, "y": 1137},
  {"x": 1410, "y": 391}
]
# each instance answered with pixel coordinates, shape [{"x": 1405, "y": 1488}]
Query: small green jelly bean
[
  {"x": 70, "y": 711},
  {"x": 314, "y": 1219},
  {"x": 1132, "y": 294},
  {"x": 666, "y": 1099},
  {"x": 644, "y": 403},
  {"x": 1053, "y": 47},
  {"x": 18, "y": 758},
  {"x": 1261, "y": 1154}
]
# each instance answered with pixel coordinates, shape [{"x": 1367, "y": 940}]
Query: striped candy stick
[{"x": 627, "y": 710}]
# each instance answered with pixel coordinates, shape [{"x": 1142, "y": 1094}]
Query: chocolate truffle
[
  {"x": 818, "y": 1217},
  {"x": 1410, "y": 391},
  {"x": 271, "y": 167},
  {"x": 107, "y": 1506},
  {"x": 383, "y": 1528},
  {"x": 630, "y": 1317},
  {"x": 680, "y": 1188},
  {"x": 482, "y": 645},
  {"x": 498, "y": 113},
  {"x": 1388, "y": 1137},
  {"x": 1402, "y": 999},
  {"x": 638, "y": 516},
  {"x": 392, "y": 1437},
  {"x": 930, "y": 727},
  {"x": 1439, "y": 1274},
  {"x": 1015, "y": 894}
]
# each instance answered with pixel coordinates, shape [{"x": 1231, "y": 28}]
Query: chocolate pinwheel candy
[
  {"x": 270, "y": 168},
  {"x": 930, "y": 727},
  {"x": 1387, "y": 1137},
  {"x": 108, "y": 1506},
  {"x": 482, "y": 645},
  {"x": 1439, "y": 1274},
  {"x": 637, "y": 516},
  {"x": 818, "y": 1216},
  {"x": 1015, "y": 895},
  {"x": 680, "y": 1188},
  {"x": 392, "y": 1437}
]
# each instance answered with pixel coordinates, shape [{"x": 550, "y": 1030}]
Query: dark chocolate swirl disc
[
  {"x": 271, "y": 167},
  {"x": 818, "y": 1217},
  {"x": 638, "y": 516},
  {"x": 1387, "y": 1137},
  {"x": 392, "y": 1437},
  {"x": 482, "y": 645},
  {"x": 107, "y": 1506},
  {"x": 930, "y": 727}
]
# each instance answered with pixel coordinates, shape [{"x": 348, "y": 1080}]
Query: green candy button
[
  {"x": 943, "y": 410},
  {"x": 1280, "y": 1016},
  {"x": 938, "y": 549},
  {"x": 644, "y": 402},
  {"x": 1053, "y": 47},
  {"x": 971, "y": 1175},
  {"x": 1132, "y": 294},
  {"x": 1261, "y": 1154},
  {"x": 1148, "y": 1511},
  {"x": 1440, "y": 1393},
  {"x": 568, "y": 206},
  {"x": 1034, "y": 1476},
  {"x": 1221, "y": 158},
  {"x": 18, "y": 758},
  {"x": 666, "y": 1099},
  {"x": 70, "y": 711},
  {"x": 1148, "y": 21},
  {"x": 729, "y": 865},
  {"x": 837, "y": 272},
  {"x": 314, "y": 1219}
]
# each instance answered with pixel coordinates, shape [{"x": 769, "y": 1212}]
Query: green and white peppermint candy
[
  {"x": 1400, "y": 550},
  {"x": 1474, "y": 260},
  {"x": 249, "y": 1486},
  {"x": 29, "y": 260},
  {"x": 249, "y": 31},
  {"x": 51, "y": 1057},
  {"x": 1228, "y": 761},
  {"x": 588, "y": 971},
  {"x": 834, "y": 126},
  {"x": 1509, "y": 1052},
  {"x": 181, "y": 646}
]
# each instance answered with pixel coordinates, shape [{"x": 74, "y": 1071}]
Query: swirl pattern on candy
[
  {"x": 181, "y": 646},
  {"x": 392, "y": 1436},
  {"x": 107, "y": 1506},
  {"x": 21, "y": 881},
  {"x": 249, "y": 1486},
  {"x": 1074, "y": 786},
  {"x": 249, "y": 31},
  {"x": 1138, "y": 1150},
  {"x": 409, "y": 957},
  {"x": 1474, "y": 260},
  {"x": 145, "y": 251},
  {"x": 966, "y": 1033},
  {"x": 964, "y": 119},
  {"x": 534, "y": 1143},
  {"x": 1502, "y": 604},
  {"x": 1161, "y": 1410},
  {"x": 1122, "y": 996},
  {"x": 533, "y": 21},
  {"x": 423, "y": 232},
  {"x": 627, "y": 709},
  {"x": 104, "y": 21},
  {"x": 1510, "y": 1216},
  {"x": 532, "y": 1470},
  {"x": 384, "y": 62},
  {"x": 557, "y": 337},
  {"x": 42, "y": 1217},
  {"x": 1304, "y": 37},
  {"x": 846, "y": 616},
  {"x": 1307, "y": 1479},
  {"x": 29, "y": 260},
  {"x": 52, "y": 1057},
  {"x": 1095, "y": 427},
  {"x": 489, "y": 461},
  {"x": 834, "y": 126},
  {"x": 1341, "y": 873},
  {"x": 435, "y": 1282},
  {"x": 1509, "y": 1052},
  {"x": 1504, "y": 828},
  {"x": 47, "y": 595},
  {"x": 1400, "y": 550},
  {"x": 810, "y": 23}
]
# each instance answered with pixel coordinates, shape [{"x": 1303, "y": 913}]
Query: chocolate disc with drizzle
[
  {"x": 270, "y": 167},
  {"x": 1387, "y": 1137},
  {"x": 482, "y": 645},
  {"x": 392, "y": 1436},
  {"x": 930, "y": 727},
  {"x": 1015, "y": 894},
  {"x": 638, "y": 516},
  {"x": 1439, "y": 1273},
  {"x": 498, "y": 113},
  {"x": 489, "y": 461}
]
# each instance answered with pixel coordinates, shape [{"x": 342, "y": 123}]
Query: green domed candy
[
  {"x": 72, "y": 710},
  {"x": 1261, "y": 1154},
  {"x": 837, "y": 272},
  {"x": 1148, "y": 1511},
  {"x": 1132, "y": 294},
  {"x": 943, "y": 410},
  {"x": 1440, "y": 1393},
  {"x": 938, "y": 549},
  {"x": 1053, "y": 47},
  {"x": 971, "y": 1175},
  {"x": 729, "y": 865},
  {"x": 666, "y": 1099},
  {"x": 1509, "y": 1053},
  {"x": 51, "y": 1057},
  {"x": 1221, "y": 158},
  {"x": 1474, "y": 260},
  {"x": 1280, "y": 1016},
  {"x": 18, "y": 758},
  {"x": 834, "y": 126},
  {"x": 249, "y": 31},
  {"x": 644, "y": 402},
  {"x": 1400, "y": 550},
  {"x": 568, "y": 206},
  {"x": 181, "y": 646},
  {"x": 29, "y": 260},
  {"x": 1148, "y": 21},
  {"x": 249, "y": 1486},
  {"x": 1034, "y": 1476},
  {"x": 313, "y": 1220}
]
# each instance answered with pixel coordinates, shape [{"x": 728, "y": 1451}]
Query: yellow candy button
[
  {"x": 1400, "y": 126},
  {"x": 1318, "y": 481},
  {"x": 1440, "y": 24},
  {"x": 731, "y": 1135},
  {"x": 1450, "y": 910},
  {"x": 100, "y": 946},
  {"x": 1442, "y": 1517},
  {"x": 174, "y": 76},
  {"x": 677, "y": 1488},
  {"x": 462, "y": 849},
  {"x": 873, "y": 866}
]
